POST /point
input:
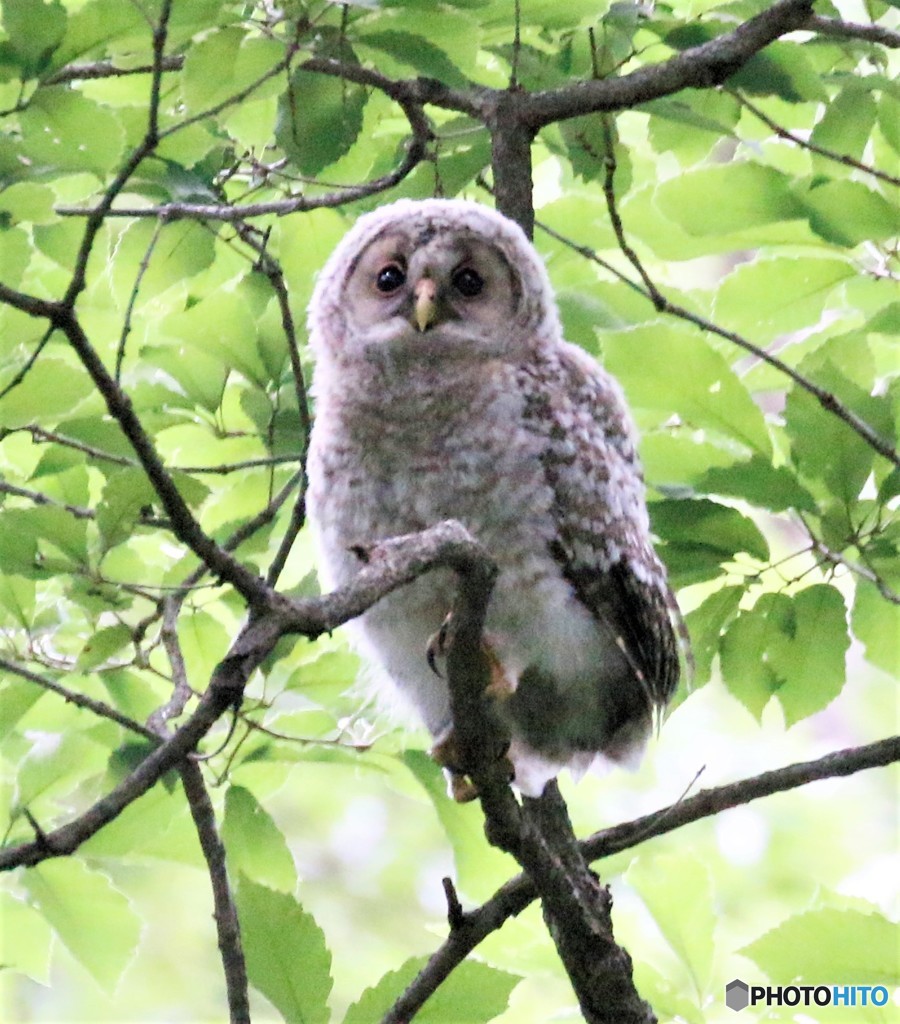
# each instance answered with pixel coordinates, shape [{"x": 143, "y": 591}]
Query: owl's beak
[{"x": 425, "y": 292}]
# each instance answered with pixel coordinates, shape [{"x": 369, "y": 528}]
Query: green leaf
[
  {"x": 719, "y": 200},
  {"x": 25, "y": 201},
  {"x": 845, "y": 127},
  {"x": 745, "y": 651},
  {"x": 51, "y": 386},
  {"x": 255, "y": 846},
  {"x": 287, "y": 959},
  {"x": 683, "y": 912},
  {"x": 474, "y": 993},
  {"x": 93, "y": 920},
  {"x": 701, "y": 523},
  {"x": 417, "y": 52},
  {"x": 771, "y": 296},
  {"x": 845, "y": 946},
  {"x": 781, "y": 69},
  {"x": 480, "y": 868},
  {"x": 35, "y": 29},
  {"x": 103, "y": 645},
  {"x": 706, "y": 624},
  {"x": 172, "y": 255},
  {"x": 760, "y": 483},
  {"x": 319, "y": 119},
  {"x": 848, "y": 213},
  {"x": 876, "y": 622},
  {"x": 126, "y": 494},
  {"x": 810, "y": 669},
  {"x": 824, "y": 447},
  {"x": 63, "y": 131},
  {"x": 25, "y": 939},
  {"x": 705, "y": 392}
]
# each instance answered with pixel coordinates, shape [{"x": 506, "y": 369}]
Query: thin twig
[
  {"x": 98, "y": 707},
  {"x": 29, "y": 362},
  {"x": 39, "y": 498},
  {"x": 783, "y": 133},
  {"x": 853, "y": 30},
  {"x": 143, "y": 267}
]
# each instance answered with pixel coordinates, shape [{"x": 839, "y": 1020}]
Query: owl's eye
[
  {"x": 390, "y": 278},
  {"x": 468, "y": 282}
]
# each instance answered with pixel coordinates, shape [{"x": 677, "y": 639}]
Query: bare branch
[
  {"x": 783, "y": 133},
  {"x": 98, "y": 707},
  {"x": 42, "y": 499},
  {"x": 853, "y": 30},
  {"x": 516, "y": 894},
  {"x": 107, "y": 69},
  {"x": 227, "y": 926}
]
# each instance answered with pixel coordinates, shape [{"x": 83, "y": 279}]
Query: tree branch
[
  {"x": 699, "y": 67},
  {"x": 516, "y": 894},
  {"x": 391, "y": 565},
  {"x": 227, "y": 926},
  {"x": 853, "y": 30}
]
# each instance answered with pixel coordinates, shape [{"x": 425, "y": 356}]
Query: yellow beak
[{"x": 425, "y": 293}]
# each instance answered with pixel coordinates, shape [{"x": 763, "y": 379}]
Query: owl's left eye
[
  {"x": 468, "y": 282},
  {"x": 390, "y": 278}
]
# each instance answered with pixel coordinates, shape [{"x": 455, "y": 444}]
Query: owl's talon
[
  {"x": 460, "y": 788},
  {"x": 437, "y": 646}
]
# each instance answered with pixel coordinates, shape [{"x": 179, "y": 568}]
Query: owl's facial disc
[{"x": 449, "y": 285}]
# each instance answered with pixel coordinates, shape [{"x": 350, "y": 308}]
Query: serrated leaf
[
  {"x": 417, "y": 52},
  {"x": 93, "y": 920},
  {"x": 701, "y": 523},
  {"x": 810, "y": 669},
  {"x": 63, "y": 130},
  {"x": 287, "y": 959},
  {"x": 706, "y": 624},
  {"x": 683, "y": 912},
  {"x": 829, "y": 945},
  {"x": 845, "y": 127},
  {"x": 848, "y": 213},
  {"x": 876, "y": 622},
  {"x": 719, "y": 200},
  {"x": 25, "y": 939},
  {"x": 705, "y": 392},
  {"x": 745, "y": 649},
  {"x": 319, "y": 119},
  {"x": 51, "y": 386},
  {"x": 474, "y": 993},
  {"x": 254, "y": 844},
  {"x": 35, "y": 29},
  {"x": 760, "y": 483},
  {"x": 771, "y": 296},
  {"x": 103, "y": 645}
]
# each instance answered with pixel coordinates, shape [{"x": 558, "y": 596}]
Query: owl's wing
[{"x": 602, "y": 541}]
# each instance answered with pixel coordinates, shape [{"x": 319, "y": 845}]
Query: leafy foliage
[{"x": 765, "y": 209}]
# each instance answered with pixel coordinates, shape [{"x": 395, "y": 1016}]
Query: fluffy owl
[{"x": 444, "y": 390}]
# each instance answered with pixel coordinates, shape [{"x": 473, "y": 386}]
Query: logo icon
[{"x": 737, "y": 994}]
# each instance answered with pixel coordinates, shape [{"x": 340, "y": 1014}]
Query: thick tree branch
[
  {"x": 516, "y": 894},
  {"x": 699, "y": 67}
]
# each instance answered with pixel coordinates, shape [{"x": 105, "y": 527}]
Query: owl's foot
[
  {"x": 459, "y": 786},
  {"x": 499, "y": 687}
]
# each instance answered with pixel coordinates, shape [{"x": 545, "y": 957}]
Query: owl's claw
[
  {"x": 437, "y": 646},
  {"x": 460, "y": 787}
]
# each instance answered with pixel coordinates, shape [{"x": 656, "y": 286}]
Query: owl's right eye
[{"x": 390, "y": 278}]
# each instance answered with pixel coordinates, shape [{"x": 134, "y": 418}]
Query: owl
[{"x": 444, "y": 390}]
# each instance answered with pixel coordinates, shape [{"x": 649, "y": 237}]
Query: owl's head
[{"x": 433, "y": 279}]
